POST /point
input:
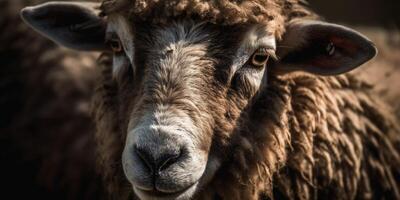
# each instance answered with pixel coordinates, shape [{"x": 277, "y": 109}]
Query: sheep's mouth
[{"x": 159, "y": 195}]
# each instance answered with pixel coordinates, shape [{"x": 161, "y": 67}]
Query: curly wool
[
  {"x": 274, "y": 13},
  {"x": 310, "y": 138}
]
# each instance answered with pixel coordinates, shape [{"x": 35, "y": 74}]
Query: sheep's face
[{"x": 185, "y": 86}]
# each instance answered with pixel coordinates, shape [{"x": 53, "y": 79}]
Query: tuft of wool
[{"x": 273, "y": 13}]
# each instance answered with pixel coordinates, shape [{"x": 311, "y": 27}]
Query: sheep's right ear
[
  {"x": 75, "y": 25},
  {"x": 322, "y": 48}
]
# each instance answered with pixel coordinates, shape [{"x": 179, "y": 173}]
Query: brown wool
[{"x": 274, "y": 13}]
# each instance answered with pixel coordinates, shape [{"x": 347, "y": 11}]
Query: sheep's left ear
[
  {"x": 322, "y": 48},
  {"x": 75, "y": 25}
]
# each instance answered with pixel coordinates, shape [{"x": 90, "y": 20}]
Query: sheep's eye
[
  {"x": 115, "y": 45},
  {"x": 260, "y": 57}
]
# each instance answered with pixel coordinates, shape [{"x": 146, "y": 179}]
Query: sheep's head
[{"x": 185, "y": 83}]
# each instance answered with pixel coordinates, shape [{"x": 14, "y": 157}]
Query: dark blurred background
[{"x": 383, "y": 13}]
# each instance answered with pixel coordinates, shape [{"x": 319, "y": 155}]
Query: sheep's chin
[{"x": 183, "y": 195}]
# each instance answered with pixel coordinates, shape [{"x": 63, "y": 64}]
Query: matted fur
[{"x": 315, "y": 137}]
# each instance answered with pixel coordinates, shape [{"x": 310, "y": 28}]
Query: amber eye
[
  {"x": 115, "y": 45},
  {"x": 260, "y": 58}
]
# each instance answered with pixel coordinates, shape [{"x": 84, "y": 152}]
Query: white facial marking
[
  {"x": 255, "y": 38},
  {"x": 177, "y": 51},
  {"x": 121, "y": 26}
]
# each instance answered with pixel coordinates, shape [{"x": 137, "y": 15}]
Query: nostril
[
  {"x": 168, "y": 159},
  {"x": 146, "y": 158},
  {"x": 157, "y": 161}
]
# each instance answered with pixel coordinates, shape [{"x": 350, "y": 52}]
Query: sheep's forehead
[{"x": 190, "y": 31}]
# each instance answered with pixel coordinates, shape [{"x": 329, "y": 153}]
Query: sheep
[
  {"x": 46, "y": 133},
  {"x": 229, "y": 100}
]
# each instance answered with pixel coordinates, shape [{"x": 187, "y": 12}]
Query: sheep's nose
[
  {"x": 155, "y": 160},
  {"x": 159, "y": 158}
]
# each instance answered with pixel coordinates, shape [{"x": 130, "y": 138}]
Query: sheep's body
[
  {"x": 333, "y": 139},
  {"x": 318, "y": 137},
  {"x": 359, "y": 94},
  {"x": 46, "y": 134}
]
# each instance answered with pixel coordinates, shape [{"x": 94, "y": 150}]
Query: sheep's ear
[
  {"x": 75, "y": 25},
  {"x": 322, "y": 48}
]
